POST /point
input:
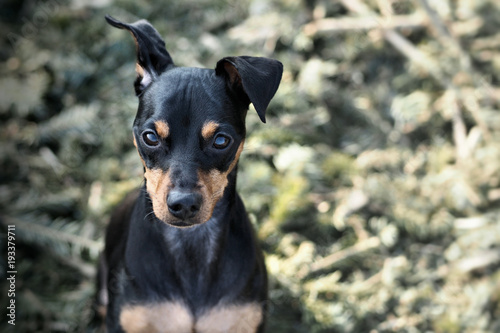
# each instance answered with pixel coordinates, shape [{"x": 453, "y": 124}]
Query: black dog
[{"x": 181, "y": 255}]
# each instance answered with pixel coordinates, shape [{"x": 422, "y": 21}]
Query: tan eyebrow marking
[
  {"x": 162, "y": 128},
  {"x": 208, "y": 129}
]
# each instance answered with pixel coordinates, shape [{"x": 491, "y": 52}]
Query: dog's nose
[{"x": 184, "y": 205}]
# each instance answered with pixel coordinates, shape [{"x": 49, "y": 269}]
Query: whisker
[{"x": 148, "y": 214}]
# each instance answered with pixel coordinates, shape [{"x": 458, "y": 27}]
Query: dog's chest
[{"x": 175, "y": 317}]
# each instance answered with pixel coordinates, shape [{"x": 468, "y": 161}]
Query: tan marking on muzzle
[
  {"x": 162, "y": 128},
  {"x": 158, "y": 183},
  {"x": 213, "y": 183},
  {"x": 167, "y": 317},
  {"x": 208, "y": 129}
]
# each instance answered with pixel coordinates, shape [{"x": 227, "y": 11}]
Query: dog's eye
[
  {"x": 150, "y": 138},
  {"x": 221, "y": 141}
]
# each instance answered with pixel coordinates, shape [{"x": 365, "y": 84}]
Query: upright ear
[
  {"x": 256, "y": 78},
  {"x": 152, "y": 57}
]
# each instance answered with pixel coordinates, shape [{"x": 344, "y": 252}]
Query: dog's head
[{"x": 190, "y": 125}]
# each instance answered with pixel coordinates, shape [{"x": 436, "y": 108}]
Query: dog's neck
[{"x": 199, "y": 244}]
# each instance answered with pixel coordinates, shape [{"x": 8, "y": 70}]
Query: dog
[{"x": 180, "y": 253}]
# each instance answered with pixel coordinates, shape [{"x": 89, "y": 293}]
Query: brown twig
[
  {"x": 332, "y": 25},
  {"x": 337, "y": 257}
]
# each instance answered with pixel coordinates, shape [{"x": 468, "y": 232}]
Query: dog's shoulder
[{"x": 117, "y": 231}]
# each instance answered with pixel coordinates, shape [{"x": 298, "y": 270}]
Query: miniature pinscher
[{"x": 181, "y": 255}]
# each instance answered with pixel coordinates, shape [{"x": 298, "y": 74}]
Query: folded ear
[
  {"x": 152, "y": 57},
  {"x": 257, "y": 78}
]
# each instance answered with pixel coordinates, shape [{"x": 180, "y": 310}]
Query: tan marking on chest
[
  {"x": 244, "y": 318},
  {"x": 162, "y": 128},
  {"x": 157, "y": 318}
]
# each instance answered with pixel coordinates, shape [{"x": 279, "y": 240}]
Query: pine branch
[{"x": 38, "y": 232}]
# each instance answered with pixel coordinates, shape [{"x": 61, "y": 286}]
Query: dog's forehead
[{"x": 187, "y": 92}]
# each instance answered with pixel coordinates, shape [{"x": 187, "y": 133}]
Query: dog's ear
[
  {"x": 254, "y": 77},
  {"x": 152, "y": 57}
]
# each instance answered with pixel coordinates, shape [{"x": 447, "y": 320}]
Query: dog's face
[
  {"x": 189, "y": 134},
  {"x": 190, "y": 125}
]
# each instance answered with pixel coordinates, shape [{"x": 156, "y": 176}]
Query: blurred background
[{"x": 374, "y": 186}]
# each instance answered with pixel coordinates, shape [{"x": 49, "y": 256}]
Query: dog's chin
[{"x": 182, "y": 224}]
